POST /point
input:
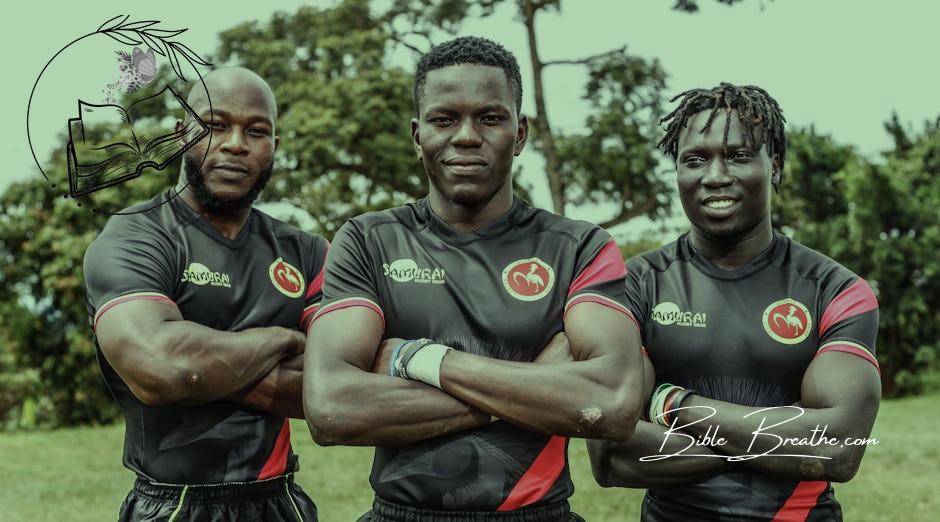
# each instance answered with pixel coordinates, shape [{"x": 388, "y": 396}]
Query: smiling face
[
  {"x": 240, "y": 154},
  {"x": 467, "y": 133},
  {"x": 725, "y": 191}
]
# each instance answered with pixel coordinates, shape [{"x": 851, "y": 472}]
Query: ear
[
  {"x": 277, "y": 141},
  {"x": 775, "y": 172},
  {"x": 522, "y": 135},
  {"x": 416, "y": 139}
]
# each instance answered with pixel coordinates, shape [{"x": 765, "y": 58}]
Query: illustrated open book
[{"x": 130, "y": 148}]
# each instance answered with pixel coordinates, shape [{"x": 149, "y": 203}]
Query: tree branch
[
  {"x": 587, "y": 59},
  {"x": 399, "y": 38},
  {"x": 626, "y": 214}
]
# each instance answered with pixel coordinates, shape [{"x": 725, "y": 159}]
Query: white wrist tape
[{"x": 425, "y": 366}]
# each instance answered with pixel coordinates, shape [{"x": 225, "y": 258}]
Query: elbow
[
  {"x": 324, "y": 423},
  {"x": 843, "y": 466},
  {"x": 618, "y": 424},
  {"x": 161, "y": 386},
  {"x": 606, "y": 473}
]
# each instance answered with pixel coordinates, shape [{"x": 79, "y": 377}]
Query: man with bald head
[{"x": 197, "y": 308}]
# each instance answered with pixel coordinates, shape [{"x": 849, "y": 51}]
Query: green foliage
[
  {"x": 880, "y": 220},
  {"x": 343, "y": 113}
]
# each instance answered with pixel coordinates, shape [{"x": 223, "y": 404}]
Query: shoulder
[
  {"x": 369, "y": 222},
  {"x": 815, "y": 265},
  {"x": 141, "y": 224},
  {"x": 283, "y": 230},
  {"x": 536, "y": 220},
  {"x": 656, "y": 260}
]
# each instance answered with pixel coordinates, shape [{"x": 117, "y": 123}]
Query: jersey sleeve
[
  {"x": 348, "y": 278},
  {"x": 313, "y": 296},
  {"x": 849, "y": 321},
  {"x": 637, "y": 299},
  {"x": 131, "y": 259},
  {"x": 600, "y": 275}
]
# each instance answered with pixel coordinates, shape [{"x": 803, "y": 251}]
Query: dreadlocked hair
[{"x": 756, "y": 110}]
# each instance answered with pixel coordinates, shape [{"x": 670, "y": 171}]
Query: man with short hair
[
  {"x": 474, "y": 282},
  {"x": 196, "y": 307},
  {"x": 755, "y": 338}
]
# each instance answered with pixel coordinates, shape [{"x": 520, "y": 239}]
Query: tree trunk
[{"x": 552, "y": 164}]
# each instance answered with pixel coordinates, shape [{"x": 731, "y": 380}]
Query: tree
[
  {"x": 343, "y": 112},
  {"x": 879, "y": 219},
  {"x": 614, "y": 159}
]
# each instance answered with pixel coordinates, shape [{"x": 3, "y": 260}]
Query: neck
[
  {"x": 229, "y": 224},
  {"x": 465, "y": 219},
  {"x": 733, "y": 252}
]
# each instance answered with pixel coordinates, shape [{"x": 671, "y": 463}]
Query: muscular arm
[
  {"x": 347, "y": 404},
  {"x": 165, "y": 359},
  {"x": 598, "y": 395},
  {"x": 279, "y": 392},
  {"x": 840, "y": 392},
  {"x": 617, "y": 463}
]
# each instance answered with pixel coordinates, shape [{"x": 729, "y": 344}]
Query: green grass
[{"x": 76, "y": 474}]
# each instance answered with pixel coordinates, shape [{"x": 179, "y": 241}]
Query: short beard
[{"x": 214, "y": 204}]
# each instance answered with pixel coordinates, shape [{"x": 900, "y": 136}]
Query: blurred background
[{"x": 856, "y": 81}]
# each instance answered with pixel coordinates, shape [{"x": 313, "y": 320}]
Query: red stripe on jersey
[
  {"x": 277, "y": 462},
  {"x": 607, "y": 265},
  {"x": 856, "y": 299},
  {"x": 133, "y": 297},
  {"x": 540, "y": 476},
  {"x": 317, "y": 284},
  {"x": 801, "y": 501},
  {"x": 601, "y": 300},
  {"x": 348, "y": 303},
  {"x": 307, "y": 314},
  {"x": 854, "y": 350}
]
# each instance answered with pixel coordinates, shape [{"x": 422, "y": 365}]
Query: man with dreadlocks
[
  {"x": 760, "y": 345},
  {"x": 472, "y": 425}
]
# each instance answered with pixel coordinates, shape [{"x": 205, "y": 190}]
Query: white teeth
[{"x": 719, "y": 203}]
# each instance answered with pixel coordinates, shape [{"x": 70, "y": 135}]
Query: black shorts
[
  {"x": 384, "y": 511},
  {"x": 277, "y": 499}
]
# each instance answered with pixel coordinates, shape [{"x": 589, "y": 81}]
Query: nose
[
  {"x": 467, "y": 134},
  {"x": 717, "y": 174},
  {"x": 234, "y": 142}
]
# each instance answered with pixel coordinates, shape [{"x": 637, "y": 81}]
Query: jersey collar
[
  {"x": 186, "y": 213},
  {"x": 766, "y": 257},
  {"x": 495, "y": 228}
]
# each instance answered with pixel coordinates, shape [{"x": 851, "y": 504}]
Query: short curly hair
[{"x": 472, "y": 50}]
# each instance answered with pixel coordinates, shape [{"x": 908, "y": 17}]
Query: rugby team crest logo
[
  {"x": 787, "y": 321},
  {"x": 528, "y": 279},
  {"x": 287, "y": 279}
]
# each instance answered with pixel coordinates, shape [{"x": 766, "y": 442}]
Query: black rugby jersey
[
  {"x": 500, "y": 292},
  {"x": 746, "y": 336},
  {"x": 270, "y": 275}
]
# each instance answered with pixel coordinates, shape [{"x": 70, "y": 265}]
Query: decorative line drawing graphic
[
  {"x": 158, "y": 40},
  {"x": 137, "y": 69},
  {"x": 145, "y": 42},
  {"x": 94, "y": 165}
]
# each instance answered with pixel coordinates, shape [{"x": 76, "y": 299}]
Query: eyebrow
[
  {"x": 486, "y": 108},
  {"x": 228, "y": 115}
]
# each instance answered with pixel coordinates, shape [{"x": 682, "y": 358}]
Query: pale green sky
[{"x": 842, "y": 65}]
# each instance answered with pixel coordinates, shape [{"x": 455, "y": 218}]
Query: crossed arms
[
  {"x": 596, "y": 395},
  {"x": 165, "y": 359},
  {"x": 839, "y": 391}
]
